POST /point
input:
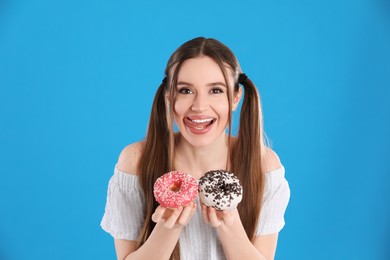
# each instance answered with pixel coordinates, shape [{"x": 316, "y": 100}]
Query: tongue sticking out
[{"x": 198, "y": 124}]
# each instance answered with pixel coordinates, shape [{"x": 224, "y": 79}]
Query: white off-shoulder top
[{"x": 123, "y": 217}]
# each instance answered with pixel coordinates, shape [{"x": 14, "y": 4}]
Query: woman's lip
[
  {"x": 198, "y": 121},
  {"x": 199, "y": 128}
]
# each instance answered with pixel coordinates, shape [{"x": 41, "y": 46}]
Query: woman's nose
[{"x": 199, "y": 103}]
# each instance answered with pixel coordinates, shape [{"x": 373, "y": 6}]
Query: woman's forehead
[{"x": 202, "y": 69}]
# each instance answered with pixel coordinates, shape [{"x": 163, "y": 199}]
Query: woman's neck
[{"x": 198, "y": 160}]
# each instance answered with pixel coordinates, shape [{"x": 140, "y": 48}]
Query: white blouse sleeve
[
  {"x": 124, "y": 214},
  {"x": 275, "y": 199}
]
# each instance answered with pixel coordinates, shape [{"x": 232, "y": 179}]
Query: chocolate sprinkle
[{"x": 224, "y": 186}]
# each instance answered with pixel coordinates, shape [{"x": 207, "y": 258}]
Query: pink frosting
[{"x": 174, "y": 189}]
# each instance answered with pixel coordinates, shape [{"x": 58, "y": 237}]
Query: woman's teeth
[
  {"x": 199, "y": 124},
  {"x": 201, "y": 121}
]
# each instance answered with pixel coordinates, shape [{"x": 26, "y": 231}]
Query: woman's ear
[{"x": 237, "y": 98}]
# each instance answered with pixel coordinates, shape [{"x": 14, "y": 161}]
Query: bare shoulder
[
  {"x": 129, "y": 157},
  {"x": 271, "y": 160}
]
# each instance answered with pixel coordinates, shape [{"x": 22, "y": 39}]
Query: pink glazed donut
[{"x": 174, "y": 189}]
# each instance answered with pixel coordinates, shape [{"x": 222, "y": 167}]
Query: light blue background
[{"x": 77, "y": 80}]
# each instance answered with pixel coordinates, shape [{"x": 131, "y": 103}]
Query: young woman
[{"x": 201, "y": 89}]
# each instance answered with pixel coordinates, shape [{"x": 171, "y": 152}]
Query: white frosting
[{"x": 220, "y": 190}]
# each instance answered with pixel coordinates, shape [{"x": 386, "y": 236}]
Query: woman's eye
[
  {"x": 216, "y": 91},
  {"x": 185, "y": 91}
]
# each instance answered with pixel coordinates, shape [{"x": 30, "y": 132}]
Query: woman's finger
[
  {"x": 185, "y": 215},
  {"x": 205, "y": 214},
  {"x": 158, "y": 214},
  {"x": 195, "y": 206},
  {"x": 228, "y": 218},
  {"x": 171, "y": 221},
  {"x": 214, "y": 221}
]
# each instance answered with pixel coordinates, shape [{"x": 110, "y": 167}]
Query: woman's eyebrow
[
  {"x": 183, "y": 83},
  {"x": 212, "y": 84},
  {"x": 218, "y": 83}
]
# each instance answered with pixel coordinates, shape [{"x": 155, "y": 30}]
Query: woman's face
[{"x": 201, "y": 106}]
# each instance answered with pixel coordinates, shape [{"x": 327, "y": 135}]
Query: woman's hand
[
  {"x": 174, "y": 218},
  {"x": 219, "y": 219},
  {"x": 235, "y": 242}
]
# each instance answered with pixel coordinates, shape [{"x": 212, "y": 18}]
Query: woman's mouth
[{"x": 199, "y": 125}]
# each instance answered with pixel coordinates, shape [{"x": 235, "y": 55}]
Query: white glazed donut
[{"x": 220, "y": 189}]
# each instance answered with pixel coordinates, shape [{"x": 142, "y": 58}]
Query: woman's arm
[
  {"x": 169, "y": 223},
  {"x": 266, "y": 244},
  {"x": 235, "y": 242},
  {"x": 162, "y": 240},
  {"x": 124, "y": 247}
]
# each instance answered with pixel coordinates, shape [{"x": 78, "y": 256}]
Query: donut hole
[
  {"x": 222, "y": 188},
  {"x": 227, "y": 188},
  {"x": 175, "y": 187}
]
